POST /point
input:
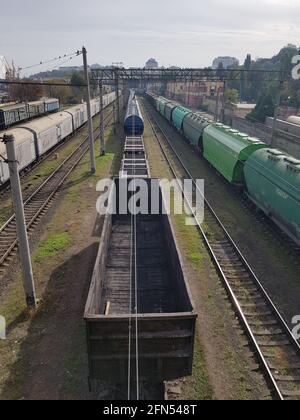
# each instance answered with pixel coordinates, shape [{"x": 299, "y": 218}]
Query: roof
[
  {"x": 162, "y": 99},
  {"x": 75, "y": 108},
  {"x": 244, "y": 106},
  {"x": 20, "y": 136},
  {"x": 226, "y": 149},
  {"x": 279, "y": 167},
  {"x": 13, "y": 106},
  {"x": 236, "y": 140},
  {"x": 44, "y": 123},
  {"x": 294, "y": 120}
]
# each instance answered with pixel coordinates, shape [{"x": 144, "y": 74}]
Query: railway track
[
  {"x": 276, "y": 349},
  {"x": 5, "y": 188},
  {"x": 38, "y": 203}
]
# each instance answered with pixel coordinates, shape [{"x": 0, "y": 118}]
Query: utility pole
[
  {"x": 114, "y": 116},
  {"x": 24, "y": 251},
  {"x": 276, "y": 112},
  {"x": 223, "y": 103},
  {"x": 117, "y": 93},
  {"x": 89, "y": 113},
  {"x": 217, "y": 104},
  {"x": 102, "y": 140},
  {"x": 188, "y": 94}
]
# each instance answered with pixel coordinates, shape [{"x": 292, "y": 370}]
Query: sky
[{"x": 186, "y": 33}]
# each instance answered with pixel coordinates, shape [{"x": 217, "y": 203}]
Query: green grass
[
  {"x": 198, "y": 387},
  {"x": 195, "y": 257},
  {"x": 56, "y": 240},
  {"x": 51, "y": 247}
]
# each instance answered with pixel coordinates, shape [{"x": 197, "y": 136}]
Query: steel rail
[
  {"x": 238, "y": 306},
  {"x": 5, "y": 188},
  {"x": 40, "y": 199}
]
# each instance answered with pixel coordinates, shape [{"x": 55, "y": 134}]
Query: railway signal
[{"x": 28, "y": 281}]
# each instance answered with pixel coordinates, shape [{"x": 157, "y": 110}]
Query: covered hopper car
[
  {"x": 273, "y": 182},
  {"x": 269, "y": 177}
]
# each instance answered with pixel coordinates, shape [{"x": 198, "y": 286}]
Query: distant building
[
  {"x": 151, "y": 64},
  {"x": 96, "y": 66},
  {"x": 4, "y": 67},
  {"x": 70, "y": 69},
  {"x": 226, "y": 61},
  {"x": 193, "y": 94},
  {"x": 239, "y": 110}
]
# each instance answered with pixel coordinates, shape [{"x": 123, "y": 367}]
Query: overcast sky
[{"x": 187, "y": 33}]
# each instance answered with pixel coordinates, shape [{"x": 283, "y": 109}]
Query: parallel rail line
[
  {"x": 5, "y": 188},
  {"x": 276, "y": 349},
  {"x": 39, "y": 202}
]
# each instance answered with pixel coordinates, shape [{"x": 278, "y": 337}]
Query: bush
[{"x": 264, "y": 108}]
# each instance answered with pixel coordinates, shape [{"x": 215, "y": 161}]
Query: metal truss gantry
[{"x": 109, "y": 75}]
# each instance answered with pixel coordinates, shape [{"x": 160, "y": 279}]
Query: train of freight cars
[
  {"x": 270, "y": 178},
  {"x": 35, "y": 138},
  {"x": 133, "y": 123},
  {"x": 17, "y": 113}
]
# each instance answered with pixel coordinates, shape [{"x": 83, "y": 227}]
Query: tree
[
  {"x": 78, "y": 79},
  {"x": 245, "y": 94},
  {"x": 60, "y": 92},
  {"x": 25, "y": 93},
  {"x": 248, "y": 62},
  {"x": 264, "y": 108},
  {"x": 231, "y": 95},
  {"x": 220, "y": 70}
]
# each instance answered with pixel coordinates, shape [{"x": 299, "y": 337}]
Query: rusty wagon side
[{"x": 166, "y": 316}]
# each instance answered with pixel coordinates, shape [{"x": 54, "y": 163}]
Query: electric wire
[
  {"x": 130, "y": 314},
  {"x": 41, "y": 63},
  {"x": 133, "y": 281},
  {"x": 136, "y": 290}
]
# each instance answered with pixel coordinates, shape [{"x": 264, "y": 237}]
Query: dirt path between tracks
[
  {"x": 44, "y": 356},
  {"x": 224, "y": 367}
]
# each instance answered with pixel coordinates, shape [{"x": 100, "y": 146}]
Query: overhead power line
[
  {"x": 43, "y": 62},
  {"x": 15, "y": 82}
]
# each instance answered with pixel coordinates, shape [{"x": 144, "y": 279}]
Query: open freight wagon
[{"x": 166, "y": 317}]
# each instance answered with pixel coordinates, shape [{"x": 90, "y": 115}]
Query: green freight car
[
  {"x": 273, "y": 184},
  {"x": 227, "y": 150},
  {"x": 193, "y": 128},
  {"x": 178, "y": 115},
  {"x": 170, "y": 106},
  {"x": 158, "y": 103},
  {"x": 161, "y": 104}
]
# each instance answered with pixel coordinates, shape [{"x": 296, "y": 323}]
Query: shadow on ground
[{"x": 52, "y": 360}]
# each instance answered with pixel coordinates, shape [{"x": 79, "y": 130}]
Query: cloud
[{"x": 189, "y": 33}]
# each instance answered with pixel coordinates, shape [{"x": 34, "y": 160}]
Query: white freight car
[
  {"x": 37, "y": 137},
  {"x": 26, "y": 151}
]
